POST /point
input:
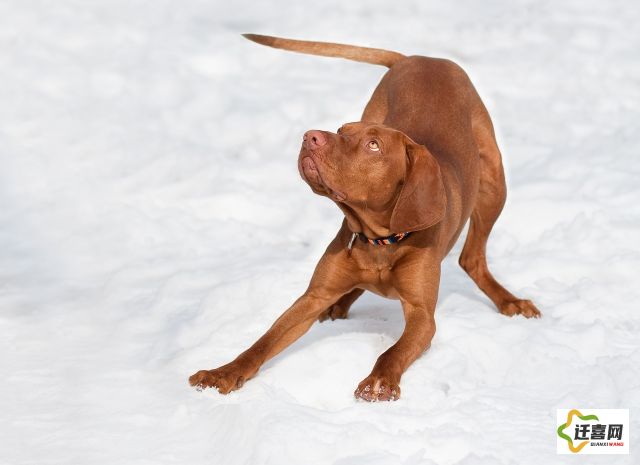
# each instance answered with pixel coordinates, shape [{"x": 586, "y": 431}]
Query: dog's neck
[{"x": 371, "y": 224}]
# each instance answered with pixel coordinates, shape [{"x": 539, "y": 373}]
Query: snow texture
[{"x": 153, "y": 223}]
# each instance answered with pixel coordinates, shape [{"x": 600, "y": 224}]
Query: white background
[{"x": 152, "y": 223}]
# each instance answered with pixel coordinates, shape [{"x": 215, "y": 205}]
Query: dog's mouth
[{"x": 310, "y": 173}]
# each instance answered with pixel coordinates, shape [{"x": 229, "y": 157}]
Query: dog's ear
[{"x": 422, "y": 200}]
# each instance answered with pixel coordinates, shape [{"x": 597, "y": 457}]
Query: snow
[{"x": 153, "y": 223}]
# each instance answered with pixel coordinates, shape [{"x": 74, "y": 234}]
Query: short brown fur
[{"x": 423, "y": 159}]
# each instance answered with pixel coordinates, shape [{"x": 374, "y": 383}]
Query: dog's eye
[{"x": 373, "y": 146}]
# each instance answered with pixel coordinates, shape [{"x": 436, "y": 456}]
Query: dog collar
[{"x": 392, "y": 239}]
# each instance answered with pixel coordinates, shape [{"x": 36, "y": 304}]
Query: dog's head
[{"x": 373, "y": 171}]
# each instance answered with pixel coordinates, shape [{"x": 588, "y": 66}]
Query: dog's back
[{"x": 432, "y": 100}]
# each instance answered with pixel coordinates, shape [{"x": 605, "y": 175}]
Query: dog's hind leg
[
  {"x": 490, "y": 200},
  {"x": 340, "y": 309}
]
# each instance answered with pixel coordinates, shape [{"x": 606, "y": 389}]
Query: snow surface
[{"x": 153, "y": 223}]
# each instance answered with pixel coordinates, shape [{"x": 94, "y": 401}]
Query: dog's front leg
[
  {"x": 330, "y": 282},
  {"x": 418, "y": 304}
]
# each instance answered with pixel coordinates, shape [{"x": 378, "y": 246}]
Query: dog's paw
[
  {"x": 335, "y": 312},
  {"x": 377, "y": 388},
  {"x": 225, "y": 379},
  {"x": 520, "y": 307}
]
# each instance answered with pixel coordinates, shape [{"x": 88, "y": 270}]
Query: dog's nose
[{"x": 313, "y": 139}]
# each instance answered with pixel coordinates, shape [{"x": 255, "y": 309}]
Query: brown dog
[{"x": 422, "y": 161}]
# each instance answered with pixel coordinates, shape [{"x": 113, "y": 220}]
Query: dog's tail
[{"x": 375, "y": 56}]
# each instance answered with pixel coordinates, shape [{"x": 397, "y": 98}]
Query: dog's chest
[{"x": 377, "y": 269}]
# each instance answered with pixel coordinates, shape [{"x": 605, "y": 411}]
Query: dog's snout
[{"x": 314, "y": 139}]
